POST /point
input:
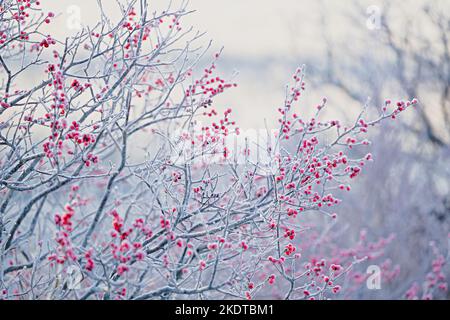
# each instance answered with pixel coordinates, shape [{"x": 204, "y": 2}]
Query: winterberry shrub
[{"x": 120, "y": 178}]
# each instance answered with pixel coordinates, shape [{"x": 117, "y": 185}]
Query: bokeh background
[{"x": 354, "y": 52}]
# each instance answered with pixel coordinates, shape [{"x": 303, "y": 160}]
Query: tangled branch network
[{"x": 120, "y": 179}]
